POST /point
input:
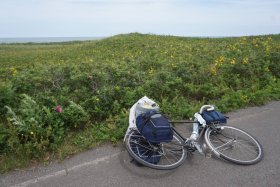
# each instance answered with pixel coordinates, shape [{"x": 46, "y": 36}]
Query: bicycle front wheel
[
  {"x": 233, "y": 144},
  {"x": 161, "y": 156}
]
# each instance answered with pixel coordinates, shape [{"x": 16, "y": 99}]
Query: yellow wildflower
[
  {"x": 267, "y": 69},
  {"x": 233, "y": 61},
  {"x": 267, "y": 49},
  {"x": 151, "y": 71},
  {"x": 222, "y": 59},
  {"x": 245, "y": 60},
  {"x": 13, "y": 71},
  {"x": 269, "y": 39},
  {"x": 213, "y": 70},
  {"x": 117, "y": 88},
  {"x": 174, "y": 65}
]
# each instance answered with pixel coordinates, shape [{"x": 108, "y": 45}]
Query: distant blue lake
[{"x": 46, "y": 39}]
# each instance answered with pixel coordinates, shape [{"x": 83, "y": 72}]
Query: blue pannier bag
[
  {"x": 145, "y": 152},
  {"x": 213, "y": 116},
  {"x": 154, "y": 127}
]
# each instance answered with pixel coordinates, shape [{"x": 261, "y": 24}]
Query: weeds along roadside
[{"x": 58, "y": 99}]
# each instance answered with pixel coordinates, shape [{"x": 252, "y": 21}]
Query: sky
[{"x": 101, "y": 18}]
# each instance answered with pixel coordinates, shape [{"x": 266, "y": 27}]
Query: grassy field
[{"x": 57, "y": 99}]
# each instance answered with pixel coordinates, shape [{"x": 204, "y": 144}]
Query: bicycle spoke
[
  {"x": 222, "y": 150},
  {"x": 143, "y": 146},
  {"x": 225, "y": 144},
  {"x": 174, "y": 152},
  {"x": 167, "y": 159},
  {"x": 174, "y": 143},
  {"x": 247, "y": 149},
  {"x": 144, "y": 153},
  {"x": 242, "y": 152},
  {"x": 173, "y": 155}
]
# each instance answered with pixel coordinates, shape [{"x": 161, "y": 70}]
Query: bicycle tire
[
  {"x": 230, "y": 143},
  {"x": 172, "y": 154}
]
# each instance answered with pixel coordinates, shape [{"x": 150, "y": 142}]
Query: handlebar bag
[
  {"x": 213, "y": 116},
  {"x": 154, "y": 127}
]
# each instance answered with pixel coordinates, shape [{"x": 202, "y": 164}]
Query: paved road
[{"x": 110, "y": 166}]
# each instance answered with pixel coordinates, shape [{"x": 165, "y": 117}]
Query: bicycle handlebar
[{"x": 206, "y": 107}]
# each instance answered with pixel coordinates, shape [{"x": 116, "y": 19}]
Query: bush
[
  {"x": 4, "y": 136},
  {"x": 36, "y": 128},
  {"x": 75, "y": 117},
  {"x": 9, "y": 141},
  {"x": 7, "y": 97}
]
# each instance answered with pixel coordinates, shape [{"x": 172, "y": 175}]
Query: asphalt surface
[{"x": 111, "y": 166}]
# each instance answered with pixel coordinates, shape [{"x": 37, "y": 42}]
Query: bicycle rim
[
  {"x": 172, "y": 154},
  {"x": 234, "y": 144}
]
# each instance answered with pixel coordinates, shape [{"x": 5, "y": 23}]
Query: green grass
[{"x": 96, "y": 82}]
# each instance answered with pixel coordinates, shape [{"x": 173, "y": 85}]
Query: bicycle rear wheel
[
  {"x": 234, "y": 144},
  {"x": 161, "y": 156}
]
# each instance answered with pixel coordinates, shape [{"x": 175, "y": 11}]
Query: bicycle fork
[{"x": 193, "y": 145}]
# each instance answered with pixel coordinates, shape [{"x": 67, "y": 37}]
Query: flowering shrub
[
  {"x": 75, "y": 117},
  {"x": 37, "y": 129}
]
